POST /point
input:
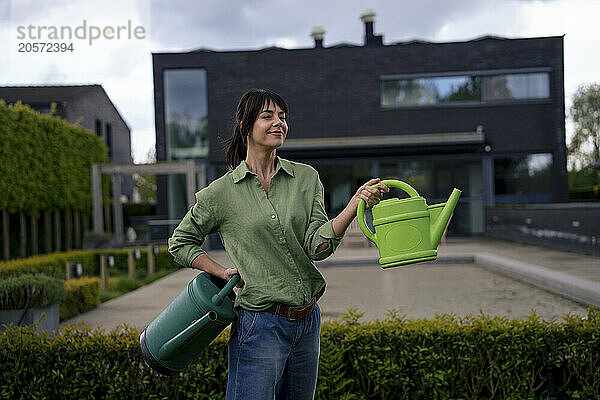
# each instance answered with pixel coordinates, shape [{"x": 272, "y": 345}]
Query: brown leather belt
[{"x": 293, "y": 313}]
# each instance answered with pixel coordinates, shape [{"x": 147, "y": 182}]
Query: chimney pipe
[
  {"x": 318, "y": 33},
  {"x": 368, "y": 17}
]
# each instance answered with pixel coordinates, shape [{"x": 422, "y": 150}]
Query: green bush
[
  {"x": 45, "y": 161},
  {"x": 54, "y": 264},
  {"x": 83, "y": 294},
  {"x": 445, "y": 358},
  {"x": 49, "y": 264},
  {"x": 42, "y": 291}
]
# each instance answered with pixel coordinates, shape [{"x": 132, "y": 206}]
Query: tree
[
  {"x": 584, "y": 146},
  {"x": 146, "y": 184}
]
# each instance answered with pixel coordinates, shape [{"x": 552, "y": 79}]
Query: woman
[{"x": 270, "y": 215}]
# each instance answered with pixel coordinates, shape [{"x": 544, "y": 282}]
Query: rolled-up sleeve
[
  {"x": 320, "y": 228},
  {"x": 199, "y": 221}
]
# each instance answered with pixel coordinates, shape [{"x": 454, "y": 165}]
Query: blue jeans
[{"x": 273, "y": 358}]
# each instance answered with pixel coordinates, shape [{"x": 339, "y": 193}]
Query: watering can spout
[{"x": 438, "y": 225}]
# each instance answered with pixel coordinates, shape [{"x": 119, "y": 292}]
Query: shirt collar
[{"x": 241, "y": 171}]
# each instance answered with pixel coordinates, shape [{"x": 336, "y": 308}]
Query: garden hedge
[
  {"x": 35, "y": 291},
  {"x": 476, "y": 357},
  {"x": 54, "y": 264},
  {"x": 45, "y": 161},
  {"x": 83, "y": 294}
]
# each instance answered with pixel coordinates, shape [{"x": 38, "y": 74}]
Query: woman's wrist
[
  {"x": 344, "y": 218},
  {"x": 204, "y": 263}
]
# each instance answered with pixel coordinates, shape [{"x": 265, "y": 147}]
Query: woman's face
[{"x": 270, "y": 128}]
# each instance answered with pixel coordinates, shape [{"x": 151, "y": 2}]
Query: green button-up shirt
[{"x": 272, "y": 238}]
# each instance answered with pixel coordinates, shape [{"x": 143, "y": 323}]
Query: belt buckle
[
  {"x": 301, "y": 308},
  {"x": 289, "y": 315}
]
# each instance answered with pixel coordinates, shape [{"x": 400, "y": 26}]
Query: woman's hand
[
  {"x": 371, "y": 195},
  {"x": 229, "y": 273}
]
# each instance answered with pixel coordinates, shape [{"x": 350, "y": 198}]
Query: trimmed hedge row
[
  {"x": 83, "y": 294},
  {"x": 445, "y": 358},
  {"x": 33, "y": 291},
  {"x": 54, "y": 264},
  {"x": 45, "y": 161}
]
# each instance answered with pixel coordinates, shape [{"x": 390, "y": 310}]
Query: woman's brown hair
[{"x": 249, "y": 106}]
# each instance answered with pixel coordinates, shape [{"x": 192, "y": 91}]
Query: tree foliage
[
  {"x": 45, "y": 161},
  {"x": 584, "y": 146}
]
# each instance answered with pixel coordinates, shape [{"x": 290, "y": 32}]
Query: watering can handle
[
  {"x": 217, "y": 299},
  {"x": 360, "y": 212}
]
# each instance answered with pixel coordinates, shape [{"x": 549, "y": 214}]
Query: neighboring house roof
[{"x": 35, "y": 95}]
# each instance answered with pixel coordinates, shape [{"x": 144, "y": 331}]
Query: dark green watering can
[
  {"x": 407, "y": 230},
  {"x": 188, "y": 324}
]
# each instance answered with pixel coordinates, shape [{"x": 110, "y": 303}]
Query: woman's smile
[{"x": 272, "y": 122}]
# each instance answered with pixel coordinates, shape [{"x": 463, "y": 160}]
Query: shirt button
[
  {"x": 273, "y": 216},
  {"x": 298, "y": 281},
  {"x": 281, "y": 240}
]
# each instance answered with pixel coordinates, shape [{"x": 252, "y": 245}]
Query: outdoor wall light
[
  {"x": 78, "y": 270},
  {"x": 111, "y": 261},
  {"x": 155, "y": 250},
  {"x": 137, "y": 254}
]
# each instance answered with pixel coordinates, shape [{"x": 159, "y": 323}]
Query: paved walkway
[{"x": 454, "y": 284}]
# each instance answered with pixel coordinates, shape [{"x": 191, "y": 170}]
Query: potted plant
[{"x": 31, "y": 299}]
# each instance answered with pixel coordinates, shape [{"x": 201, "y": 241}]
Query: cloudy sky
[{"x": 123, "y": 65}]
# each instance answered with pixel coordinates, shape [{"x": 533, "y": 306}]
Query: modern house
[{"x": 484, "y": 115}]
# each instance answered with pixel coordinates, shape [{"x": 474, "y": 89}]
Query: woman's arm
[
  {"x": 371, "y": 195},
  {"x": 185, "y": 243},
  {"x": 204, "y": 263}
]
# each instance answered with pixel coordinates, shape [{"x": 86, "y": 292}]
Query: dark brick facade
[{"x": 336, "y": 91}]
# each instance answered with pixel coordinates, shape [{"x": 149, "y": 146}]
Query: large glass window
[
  {"x": 526, "y": 179},
  {"x": 186, "y": 124},
  {"x": 424, "y": 91},
  {"x": 186, "y": 113},
  {"x": 516, "y": 86},
  {"x": 435, "y": 179},
  {"x": 464, "y": 88},
  {"x": 341, "y": 180}
]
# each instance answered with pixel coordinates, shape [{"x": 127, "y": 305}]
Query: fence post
[
  {"x": 130, "y": 264},
  {"x": 69, "y": 269},
  {"x": 103, "y": 272},
  {"x": 151, "y": 264}
]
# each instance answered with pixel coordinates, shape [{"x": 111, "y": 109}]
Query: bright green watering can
[
  {"x": 407, "y": 230},
  {"x": 188, "y": 324}
]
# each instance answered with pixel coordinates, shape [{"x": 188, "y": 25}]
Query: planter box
[{"x": 46, "y": 319}]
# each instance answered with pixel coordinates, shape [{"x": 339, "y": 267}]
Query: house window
[
  {"x": 98, "y": 127},
  {"x": 523, "y": 179},
  {"x": 516, "y": 86},
  {"x": 186, "y": 113},
  {"x": 108, "y": 130},
  {"x": 459, "y": 89},
  {"x": 428, "y": 91}
]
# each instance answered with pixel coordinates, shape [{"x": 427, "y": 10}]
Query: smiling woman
[{"x": 271, "y": 217}]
